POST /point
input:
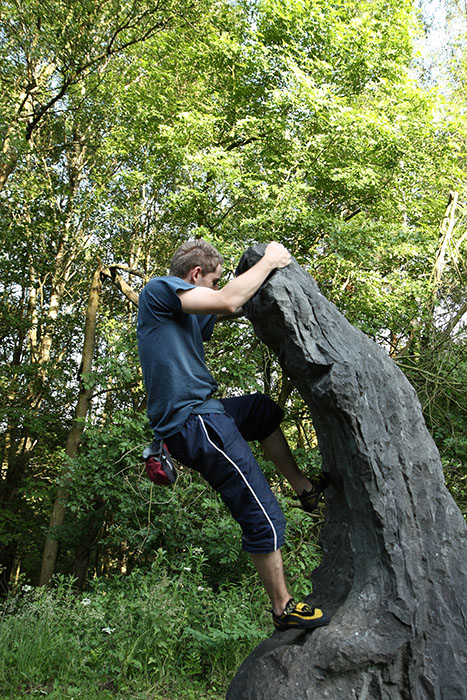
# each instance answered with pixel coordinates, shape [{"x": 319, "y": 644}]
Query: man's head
[{"x": 198, "y": 262}]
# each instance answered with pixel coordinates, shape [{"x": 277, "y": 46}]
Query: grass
[
  {"x": 178, "y": 631},
  {"x": 149, "y": 635}
]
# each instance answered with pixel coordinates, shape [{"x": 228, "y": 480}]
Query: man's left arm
[{"x": 228, "y": 317}]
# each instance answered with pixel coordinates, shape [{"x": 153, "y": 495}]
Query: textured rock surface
[{"x": 394, "y": 570}]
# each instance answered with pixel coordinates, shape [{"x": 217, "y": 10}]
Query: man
[{"x": 176, "y": 314}]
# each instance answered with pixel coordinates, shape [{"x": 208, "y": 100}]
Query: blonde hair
[{"x": 193, "y": 253}]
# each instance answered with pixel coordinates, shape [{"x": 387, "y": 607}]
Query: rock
[{"x": 394, "y": 568}]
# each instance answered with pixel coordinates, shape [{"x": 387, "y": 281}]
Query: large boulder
[{"x": 394, "y": 568}]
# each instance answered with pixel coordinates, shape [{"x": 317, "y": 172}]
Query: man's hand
[{"x": 277, "y": 255}]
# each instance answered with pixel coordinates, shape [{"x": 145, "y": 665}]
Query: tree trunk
[
  {"x": 83, "y": 550},
  {"x": 393, "y": 574},
  {"x": 49, "y": 556},
  {"x": 446, "y": 230}
]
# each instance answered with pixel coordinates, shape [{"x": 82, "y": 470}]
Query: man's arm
[
  {"x": 239, "y": 313},
  {"x": 203, "y": 300}
]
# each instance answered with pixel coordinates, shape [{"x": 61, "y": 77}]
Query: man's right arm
[{"x": 202, "y": 300}]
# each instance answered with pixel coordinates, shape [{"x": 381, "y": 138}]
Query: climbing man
[{"x": 176, "y": 314}]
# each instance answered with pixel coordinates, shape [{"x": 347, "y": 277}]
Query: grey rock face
[{"x": 394, "y": 569}]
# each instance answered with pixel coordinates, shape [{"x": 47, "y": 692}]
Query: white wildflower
[
  {"x": 86, "y": 601},
  {"x": 26, "y": 588},
  {"x": 108, "y": 630},
  {"x": 187, "y": 568}
]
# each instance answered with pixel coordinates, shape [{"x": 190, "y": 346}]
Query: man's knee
[
  {"x": 256, "y": 415},
  {"x": 266, "y": 533}
]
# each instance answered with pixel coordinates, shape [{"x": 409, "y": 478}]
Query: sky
[{"x": 445, "y": 26}]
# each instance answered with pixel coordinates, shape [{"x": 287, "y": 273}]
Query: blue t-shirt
[{"x": 170, "y": 346}]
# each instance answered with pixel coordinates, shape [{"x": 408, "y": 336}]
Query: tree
[
  {"x": 49, "y": 556},
  {"x": 53, "y": 63},
  {"x": 150, "y": 123},
  {"x": 48, "y": 49}
]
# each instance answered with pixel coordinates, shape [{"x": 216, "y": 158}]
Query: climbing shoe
[
  {"x": 299, "y": 616},
  {"x": 310, "y": 499}
]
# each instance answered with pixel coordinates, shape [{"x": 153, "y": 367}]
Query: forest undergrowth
[{"x": 170, "y": 633}]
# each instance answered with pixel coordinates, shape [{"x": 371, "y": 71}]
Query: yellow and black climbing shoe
[
  {"x": 299, "y": 616},
  {"x": 310, "y": 499}
]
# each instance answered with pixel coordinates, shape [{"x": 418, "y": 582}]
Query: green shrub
[
  {"x": 163, "y": 630},
  {"x": 173, "y": 630}
]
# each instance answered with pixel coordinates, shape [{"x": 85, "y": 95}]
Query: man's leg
[
  {"x": 286, "y": 613},
  {"x": 271, "y": 571},
  {"x": 258, "y": 418},
  {"x": 276, "y": 449},
  {"x": 212, "y": 444}
]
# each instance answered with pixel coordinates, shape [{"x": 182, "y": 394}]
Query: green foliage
[
  {"x": 127, "y": 128},
  {"x": 438, "y": 372},
  {"x": 108, "y": 482},
  {"x": 186, "y": 621},
  {"x": 155, "y": 632}
]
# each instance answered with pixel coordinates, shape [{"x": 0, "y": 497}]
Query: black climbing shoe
[
  {"x": 310, "y": 499},
  {"x": 299, "y": 616}
]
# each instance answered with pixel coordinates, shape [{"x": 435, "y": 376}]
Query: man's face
[{"x": 210, "y": 279}]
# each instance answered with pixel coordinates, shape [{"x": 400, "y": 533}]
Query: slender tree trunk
[
  {"x": 5, "y": 171},
  {"x": 83, "y": 551},
  {"x": 19, "y": 128},
  {"x": 447, "y": 227},
  {"x": 50, "y": 553},
  {"x": 286, "y": 390}
]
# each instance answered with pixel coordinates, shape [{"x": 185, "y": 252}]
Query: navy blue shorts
[{"x": 215, "y": 445}]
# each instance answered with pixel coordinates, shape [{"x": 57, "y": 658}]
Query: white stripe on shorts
[{"x": 244, "y": 479}]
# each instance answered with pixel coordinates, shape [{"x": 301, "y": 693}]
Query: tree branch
[
  {"x": 130, "y": 270},
  {"x": 120, "y": 283}
]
